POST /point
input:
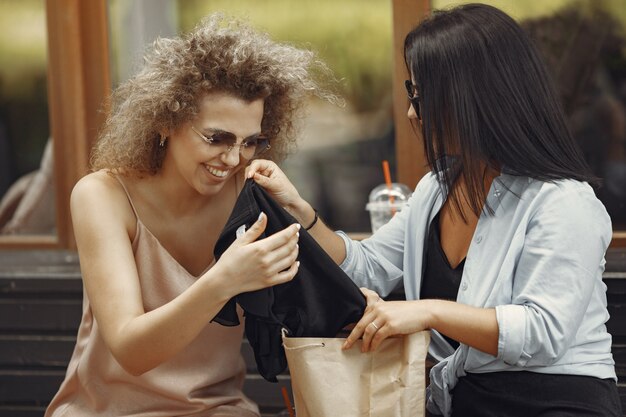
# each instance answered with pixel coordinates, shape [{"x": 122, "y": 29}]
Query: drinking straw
[
  {"x": 388, "y": 182},
  {"x": 287, "y": 402}
]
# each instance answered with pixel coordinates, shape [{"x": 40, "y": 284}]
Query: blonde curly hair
[{"x": 220, "y": 54}]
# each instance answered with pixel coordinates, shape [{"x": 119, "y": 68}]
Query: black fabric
[
  {"x": 440, "y": 280},
  {"x": 318, "y": 302},
  {"x": 528, "y": 394}
]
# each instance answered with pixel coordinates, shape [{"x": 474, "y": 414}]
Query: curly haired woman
[{"x": 167, "y": 170}]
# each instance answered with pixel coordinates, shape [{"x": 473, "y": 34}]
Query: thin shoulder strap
[{"x": 117, "y": 177}]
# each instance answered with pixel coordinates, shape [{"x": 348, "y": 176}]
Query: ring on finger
[{"x": 375, "y": 325}]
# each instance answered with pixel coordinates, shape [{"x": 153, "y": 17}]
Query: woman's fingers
[
  {"x": 287, "y": 236},
  {"x": 270, "y": 177},
  {"x": 373, "y": 327},
  {"x": 354, "y": 335},
  {"x": 375, "y": 332},
  {"x": 381, "y": 334},
  {"x": 255, "y": 230},
  {"x": 372, "y": 330},
  {"x": 262, "y": 167},
  {"x": 369, "y": 325},
  {"x": 282, "y": 258},
  {"x": 369, "y": 294},
  {"x": 371, "y": 297},
  {"x": 263, "y": 180},
  {"x": 287, "y": 274},
  {"x": 358, "y": 331},
  {"x": 276, "y": 253}
]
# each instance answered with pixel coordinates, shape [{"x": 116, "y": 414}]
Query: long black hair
[{"x": 487, "y": 98}]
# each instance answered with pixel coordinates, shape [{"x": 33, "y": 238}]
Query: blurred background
[{"x": 341, "y": 148}]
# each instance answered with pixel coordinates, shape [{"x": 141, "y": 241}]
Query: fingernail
[
  {"x": 297, "y": 234},
  {"x": 298, "y": 226},
  {"x": 260, "y": 217},
  {"x": 297, "y": 264}
]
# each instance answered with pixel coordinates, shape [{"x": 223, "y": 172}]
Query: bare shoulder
[
  {"x": 96, "y": 182},
  {"x": 98, "y": 189},
  {"x": 100, "y": 195}
]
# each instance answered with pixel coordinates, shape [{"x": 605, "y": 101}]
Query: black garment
[
  {"x": 439, "y": 279},
  {"x": 318, "y": 302},
  {"x": 529, "y": 394}
]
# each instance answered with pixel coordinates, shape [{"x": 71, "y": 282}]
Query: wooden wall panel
[
  {"x": 409, "y": 150},
  {"x": 78, "y": 82}
]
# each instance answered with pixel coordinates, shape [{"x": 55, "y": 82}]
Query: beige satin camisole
[{"x": 205, "y": 379}]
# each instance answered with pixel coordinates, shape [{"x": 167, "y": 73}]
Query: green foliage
[
  {"x": 22, "y": 47},
  {"x": 352, "y": 36},
  {"x": 523, "y": 9}
]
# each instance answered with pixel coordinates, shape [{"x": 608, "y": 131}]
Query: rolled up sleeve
[
  {"x": 378, "y": 262},
  {"x": 559, "y": 266},
  {"x": 512, "y": 323},
  {"x": 370, "y": 268}
]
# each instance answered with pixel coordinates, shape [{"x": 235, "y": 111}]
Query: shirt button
[
  {"x": 464, "y": 286},
  {"x": 479, "y": 239}
]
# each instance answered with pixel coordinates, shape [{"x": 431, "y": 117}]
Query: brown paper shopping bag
[{"x": 330, "y": 382}]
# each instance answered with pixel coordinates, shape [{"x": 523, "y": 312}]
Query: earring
[{"x": 162, "y": 142}]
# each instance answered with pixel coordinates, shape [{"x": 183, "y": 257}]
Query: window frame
[{"x": 78, "y": 83}]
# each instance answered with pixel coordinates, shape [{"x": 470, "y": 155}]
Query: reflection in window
[
  {"x": 586, "y": 51},
  {"x": 26, "y": 188},
  {"x": 584, "y": 45},
  {"x": 133, "y": 26}
]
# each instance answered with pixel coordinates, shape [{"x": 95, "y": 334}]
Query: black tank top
[{"x": 439, "y": 280}]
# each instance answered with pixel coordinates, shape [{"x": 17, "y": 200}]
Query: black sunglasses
[
  {"x": 226, "y": 141},
  {"x": 414, "y": 98}
]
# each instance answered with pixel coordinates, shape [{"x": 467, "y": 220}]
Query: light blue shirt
[{"x": 538, "y": 260}]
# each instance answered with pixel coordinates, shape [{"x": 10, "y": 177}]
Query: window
[
  {"x": 27, "y": 198},
  {"x": 77, "y": 82}
]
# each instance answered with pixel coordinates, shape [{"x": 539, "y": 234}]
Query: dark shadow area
[
  {"x": 586, "y": 51},
  {"x": 337, "y": 180}
]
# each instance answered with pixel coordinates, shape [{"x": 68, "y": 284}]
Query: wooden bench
[{"x": 40, "y": 309}]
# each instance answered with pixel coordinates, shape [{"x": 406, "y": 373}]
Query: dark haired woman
[{"x": 501, "y": 249}]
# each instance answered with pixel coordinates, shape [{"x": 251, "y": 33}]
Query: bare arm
[
  {"x": 141, "y": 340},
  {"x": 475, "y": 327},
  {"x": 269, "y": 176}
]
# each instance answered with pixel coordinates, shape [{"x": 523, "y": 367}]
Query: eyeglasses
[
  {"x": 411, "y": 90},
  {"x": 224, "y": 142}
]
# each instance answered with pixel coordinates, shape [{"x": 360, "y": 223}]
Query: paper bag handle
[{"x": 284, "y": 333}]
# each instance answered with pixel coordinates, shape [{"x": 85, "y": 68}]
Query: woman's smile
[{"x": 217, "y": 172}]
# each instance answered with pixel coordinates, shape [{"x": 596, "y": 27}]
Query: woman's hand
[
  {"x": 473, "y": 326},
  {"x": 249, "y": 265},
  {"x": 383, "y": 319},
  {"x": 269, "y": 176}
]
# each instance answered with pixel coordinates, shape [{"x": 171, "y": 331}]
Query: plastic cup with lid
[{"x": 385, "y": 201}]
